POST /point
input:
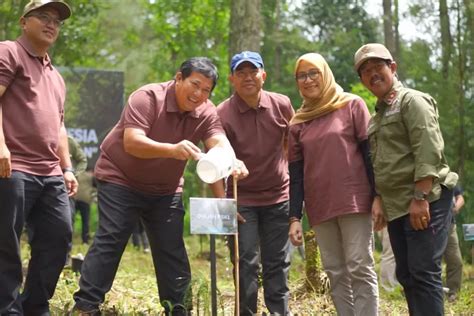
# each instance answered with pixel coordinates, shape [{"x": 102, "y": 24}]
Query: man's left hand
[
  {"x": 240, "y": 170},
  {"x": 419, "y": 214},
  {"x": 71, "y": 183}
]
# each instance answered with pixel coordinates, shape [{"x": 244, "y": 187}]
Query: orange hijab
[{"x": 332, "y": 95}]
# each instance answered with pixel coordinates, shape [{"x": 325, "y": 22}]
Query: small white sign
[
  {"x": 213, "y": 216},
  {"x": 468, "y": 231}
]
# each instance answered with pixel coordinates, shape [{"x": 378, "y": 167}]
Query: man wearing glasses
[
  {"x": 36, "y": 174},
  {"x": 256, "y": 123}
]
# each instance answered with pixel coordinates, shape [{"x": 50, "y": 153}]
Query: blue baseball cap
[{"x": 251, "y": 57}]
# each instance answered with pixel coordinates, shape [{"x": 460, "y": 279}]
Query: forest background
[{"x": 149, "y": 39}]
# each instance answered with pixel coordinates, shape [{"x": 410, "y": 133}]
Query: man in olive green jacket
[{"x": 412, "y": 179}]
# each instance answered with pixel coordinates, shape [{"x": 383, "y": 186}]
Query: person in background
[
  {"x": 35, "y": 169},
  {"x": 452, "y": 254},
  {"x": 139, "y": 239},
  {"x": 388, "y": 278},
  {"x": 330, "y": 171},
  {"x": 413, "y": 182},
  {"x": 79, "y": 164},
  {"x": 140, "y": 177},
  {"x": 86, "y": 195},
  {"x": 256, "y": 123}
]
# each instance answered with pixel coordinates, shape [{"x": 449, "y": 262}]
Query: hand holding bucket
[{"x": 218, "y": 163}]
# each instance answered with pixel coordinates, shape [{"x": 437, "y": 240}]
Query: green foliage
[
  {"x": 177, "y": 30},
  {"x": 82, "y": 37},
  {"x": 340, "y": 28},
  {"x": 10, "y": 12},
  {"x": 360, "y": 90},
  {"x": 149, "y": 39}
]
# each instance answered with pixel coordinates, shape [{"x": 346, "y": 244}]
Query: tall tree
[
  {"x": 396, "y": 31},
  {"x": 388, "y": 26},
  {"x": 245, "y": 26},
  {"x": 446, "y": 39},
  {"x": 461, "y": 87},
  {"x": 391, "y": 31}
]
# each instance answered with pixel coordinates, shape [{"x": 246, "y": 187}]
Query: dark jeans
[
  {"x": 120, "y": 209},
  {"x": 264, "y": 237},
  {"x": 41, "y": 203},
  {"x": 418, "y": 257},
  {"x": 85, "y": 211}
]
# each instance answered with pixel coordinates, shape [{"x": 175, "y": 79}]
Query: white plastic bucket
[{"x": 216, "y": 164}]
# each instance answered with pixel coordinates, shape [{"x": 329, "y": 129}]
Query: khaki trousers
[{"x": 345, "y": 243}]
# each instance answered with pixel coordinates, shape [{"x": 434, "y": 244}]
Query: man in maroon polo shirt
[
  {"x": 140, "y": 176},
  {"x": 256, "y": 124},
  {"x": 35, "y": 169}
]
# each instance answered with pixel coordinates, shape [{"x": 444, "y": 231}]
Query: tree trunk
[
  {"x": 278, "y": 48},
  {"x": 461, "y": 43},
  {"x": 316, "y": 279},
  {"x": 391, "y": 33},
  {"x": 245, "y": 26},
  {"x": 396, "y": 31},
  {"x": 445, "y": 38},
  {"x": 388, "y": 26},
  {"x": 469, "y": 9}
]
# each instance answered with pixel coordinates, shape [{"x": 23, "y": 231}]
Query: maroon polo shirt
[
  {"x": 258, "y": 137},
  {"x": 33, "y": 108},
  {"x": 335, "y": 178},
  {"x": 153, "y": 109}
]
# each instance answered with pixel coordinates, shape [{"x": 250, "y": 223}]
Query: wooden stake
[{"x": 236, "y": 259}]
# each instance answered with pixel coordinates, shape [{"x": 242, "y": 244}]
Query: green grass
[{"x": 134, "y": 291}]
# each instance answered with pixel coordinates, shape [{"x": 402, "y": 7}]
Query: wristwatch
[
  {"x": 69, "y": 169},
  {"x": 420, "y": 195}
]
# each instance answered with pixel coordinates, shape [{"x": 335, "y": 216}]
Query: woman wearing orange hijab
[{"x": 331, "y": 173}]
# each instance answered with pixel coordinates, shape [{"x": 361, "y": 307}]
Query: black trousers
[
  {"x": 120, "y": 209},
  {"x": 42, "y": 204},
  {"x": 85, "y": 211},
  {"x": 263, "y": 238},
  {"x": 418, "y": 256}
]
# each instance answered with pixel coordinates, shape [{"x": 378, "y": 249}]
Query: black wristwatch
[
  {"x": 420, "y": 195},
  {"x": 69, "y": 169}
]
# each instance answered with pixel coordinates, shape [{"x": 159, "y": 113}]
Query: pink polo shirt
[
  {"x": 257, "y": 136},
  {"x": 33, "y": 108},
  {"x": 153, "y": 109},
  {"x": 335, "y": 178}
]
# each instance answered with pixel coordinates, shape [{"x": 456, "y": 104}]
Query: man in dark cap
[
  {"x": 413, "y": 181},
  {"x": 36, "y": 174}
]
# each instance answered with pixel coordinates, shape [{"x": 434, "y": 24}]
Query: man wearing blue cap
[{"x": 256, "y": 123}]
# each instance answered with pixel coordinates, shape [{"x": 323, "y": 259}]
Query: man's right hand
[
  {"x": 5, "y": 162},
  {"x": 185, "y": 150},
  {"x": 377, "y": 214},
  {"x": 296, "y": 233}
]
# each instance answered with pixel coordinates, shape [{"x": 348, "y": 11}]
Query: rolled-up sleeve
[{"x": 421, "y": 120}]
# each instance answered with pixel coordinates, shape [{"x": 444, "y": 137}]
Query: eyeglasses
[
  {"x": 312, "y": 74},
  {"x": 46, "y": 19}
]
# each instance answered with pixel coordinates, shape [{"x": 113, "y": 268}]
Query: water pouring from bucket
[{"x": 216, "y": 164}]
